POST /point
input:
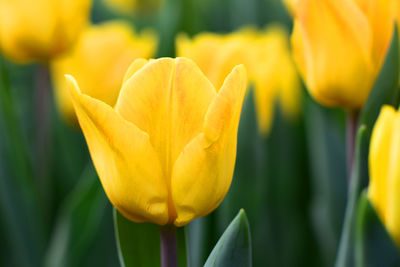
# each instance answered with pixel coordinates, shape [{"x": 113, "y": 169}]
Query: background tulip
[
  {"x": 42, "y": 29},
  {"x": 118, "y": 46},
  {"x": 215, "y": 54},
  {"x": 385, "y": 171},
  {"x": 166, "y": 152},
  {"x": 274, "y": 76},
  {"x": 267, "y": 57},
  {"x": 339, "y": 47}
]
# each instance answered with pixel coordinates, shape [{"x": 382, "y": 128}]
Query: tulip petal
[
  {"x": 127, "y": 164},
  {"x": 232, "y": 53},
  {"x": 379, "y": 159},
  {"x": 203, "y": 171},
  {"x": 225, "y": 110},
  {"x": 265, "y": 89},
  {"x": 134, "y": 67},
  {"x": 381, "y": 16},
  {"x": 73, "y": 19},
  {"x": 332, "y": 41}
]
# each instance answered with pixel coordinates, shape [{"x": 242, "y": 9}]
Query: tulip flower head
[
  {"x": 339, "y": 47},
  {"x": 42, "y": 29},
  {"x": 102, "y": 53},
  {"x": 384, "y": 168},
  {"x": 165, "y": 153},
  {"x": 274, "y": 76}
]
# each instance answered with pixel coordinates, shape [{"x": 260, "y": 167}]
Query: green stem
[
  {"x": 42, "y": 113},
  {"x": 168, "y": 246},
  {"x": 351, "y": 131}
]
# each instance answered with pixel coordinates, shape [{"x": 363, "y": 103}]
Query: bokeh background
[{"x": 291, "y": 181}]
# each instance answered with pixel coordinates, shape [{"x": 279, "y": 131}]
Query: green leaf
[
  {"x": 15, "y": 140},
  {"x": 139, "y": 243},
  {"x": 385, "y": 89},
  {"x": 234, "y": 246},
  {"x": 78, "y": 222},
  {"x": 20, "y": 207},
  {"x": 374, "y": 246},
  {"x": 325, "y": 145}
]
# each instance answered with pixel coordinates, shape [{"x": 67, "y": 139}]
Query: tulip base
[{"x": 168, "y": 246}]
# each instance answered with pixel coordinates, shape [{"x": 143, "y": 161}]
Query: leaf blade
[{"x": 234, "y": 246}]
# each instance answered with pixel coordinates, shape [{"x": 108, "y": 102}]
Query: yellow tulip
[
  {"x": 384, "y": 167},
  {"x": 274, "y": 76},
  {"x": 103, "y": 53},
  {"x": 265, "y": 54},
  {"x": 42, "y": 29},
  {"x": 134, "y": 7},
  {"x": 165, "y": 153},
  {"x": 339, "y": 47}
]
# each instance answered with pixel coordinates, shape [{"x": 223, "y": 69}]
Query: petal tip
[
  {"x": 183, "y": 220},
  {"x": 241, "y": 69},
  {"x": 73, "y": 84},
  {"x": 136, "y": 65}
]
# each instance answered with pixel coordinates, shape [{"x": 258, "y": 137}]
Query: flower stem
[
  {"x": 351, "y": 131},
  {"x": 168, "y": 246},
  {"x": 42, "y": 121}
]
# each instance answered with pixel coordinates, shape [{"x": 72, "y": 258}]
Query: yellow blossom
[
  {"x": 339, "y": 47},
  {"x": 165, "y": 153},
  {"x": 42, "y": 29},
  {"x": 384, "y": 168},
  {"x": 274, "y": 76},
  {"x": 98, "y": 62}
]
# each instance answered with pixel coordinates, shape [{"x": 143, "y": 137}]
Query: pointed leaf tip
[{"x": 234, "y": 246}]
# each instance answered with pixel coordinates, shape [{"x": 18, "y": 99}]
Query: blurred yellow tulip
[
  {"x": 265, "y": 54},
  {"x": 384, "y": 168},
  {"x": 165, "y": 153},
  {"x": 134, "y": 7},
  {"x": 215, "y": 54},
  {"x": 42, "y": 29},
  {"x": 103, "y": 53},
  {"x": 274, "y": 76},
  {"x": 339, "y": 47}
]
